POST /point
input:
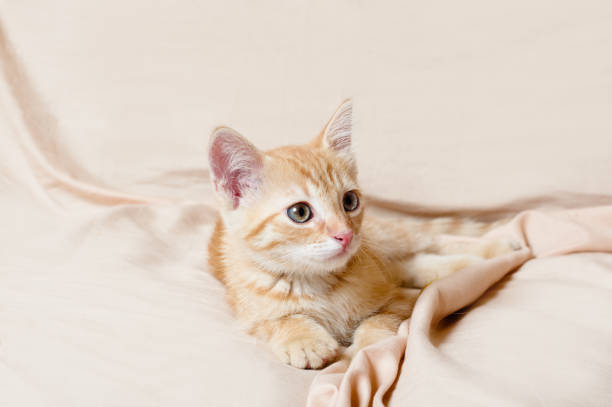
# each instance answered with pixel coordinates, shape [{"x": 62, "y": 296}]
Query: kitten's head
[{"x": 295, "y": 209}]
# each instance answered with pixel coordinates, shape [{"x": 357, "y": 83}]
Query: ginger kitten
[{"x": 306, "y": 269}]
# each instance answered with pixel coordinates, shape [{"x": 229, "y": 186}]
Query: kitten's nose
[{"x": 344, "y": 238}]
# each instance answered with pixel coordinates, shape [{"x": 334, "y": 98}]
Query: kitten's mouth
[
  {"x": 346, "y": 252},
  {"x": 339, "y": 255}
]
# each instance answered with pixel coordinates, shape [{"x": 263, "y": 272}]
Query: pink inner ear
[
  {"x": 341, "y": 142},
  {"x": 235, "y": 165},
  {"x": 338, "y": 132}
]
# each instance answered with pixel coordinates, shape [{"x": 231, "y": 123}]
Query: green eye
[
  {"x": 299, "y": 213},
  {"x": 350, "y": 201}
]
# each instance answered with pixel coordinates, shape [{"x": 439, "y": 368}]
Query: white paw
[
  {"x": 501, "y": 247},
  {"x": 515, "y": 245},
  {"x": 308, "y": 353}
]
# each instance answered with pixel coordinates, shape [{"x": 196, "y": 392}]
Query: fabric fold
[{"x": 371, "y": 373}]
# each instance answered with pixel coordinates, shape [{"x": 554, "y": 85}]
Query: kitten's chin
[
  {"x": 335, "y": 264},
  {"x": 338, "y": 262}
]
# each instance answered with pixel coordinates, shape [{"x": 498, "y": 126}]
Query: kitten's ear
[
  {"x": 236, "y": 165},
  {"x": 337, "y": 134}
]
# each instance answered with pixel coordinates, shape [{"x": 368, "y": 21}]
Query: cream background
[
  {"x": 458, "y": 105},
  {"x": 444, "y": 91}
]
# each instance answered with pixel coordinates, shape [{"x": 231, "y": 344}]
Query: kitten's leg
[
  {"x": 298, "y": 340},
  {"x": 394, "y": 239},
  {"x": 485, "y": 248},
  {"x": 384, "y": 323},
  {"x": 423, "y": 268},
  {"x": 445, "y": 256}
]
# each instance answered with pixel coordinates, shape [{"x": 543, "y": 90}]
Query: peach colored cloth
[
  {"x": 476, "y": 108},
  {"x": 373, "y": 371}
]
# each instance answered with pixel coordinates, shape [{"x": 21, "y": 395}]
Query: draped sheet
[{"x": 471, "y": 108}]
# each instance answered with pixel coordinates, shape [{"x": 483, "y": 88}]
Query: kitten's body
[{"x": 338, "y": 277}]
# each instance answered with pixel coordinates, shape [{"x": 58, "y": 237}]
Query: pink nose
[{"x": 344, "y": 238}]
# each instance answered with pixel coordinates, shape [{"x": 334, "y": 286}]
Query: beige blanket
[{"x": 475, "y": 108}]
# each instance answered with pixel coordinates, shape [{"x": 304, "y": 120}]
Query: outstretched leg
[{"x": 445, "y": 256}]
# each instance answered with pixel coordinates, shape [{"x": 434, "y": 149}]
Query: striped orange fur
[{"x": 331, "y": 275}]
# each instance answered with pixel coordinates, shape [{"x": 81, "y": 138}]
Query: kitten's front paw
[
  {"x": 500, "y": 247},
  {"x": 308, "y": 353}
]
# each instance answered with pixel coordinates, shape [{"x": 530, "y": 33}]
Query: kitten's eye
[
  {"x": 350, "y": 201},
  {"x": 299, "y": 213}
]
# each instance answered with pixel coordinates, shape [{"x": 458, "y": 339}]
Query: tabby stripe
[
  {"x": 456, "y": 224},
  {"x": 270, "y": 245},
  {"x": 279, "y": 296},
  {"x": 306, "y": 173},
  {"x": 257, "y": 229},
  {"x": 329, "y": 170}
]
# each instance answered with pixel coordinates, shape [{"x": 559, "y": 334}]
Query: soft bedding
[
  {"x": 368, "y": 377},
  {"x": 470, "y": 108}
]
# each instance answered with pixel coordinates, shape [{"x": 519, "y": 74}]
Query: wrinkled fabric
[
  {"x": 471, "y": 108},
  {"x": 373, "y": 371}
]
